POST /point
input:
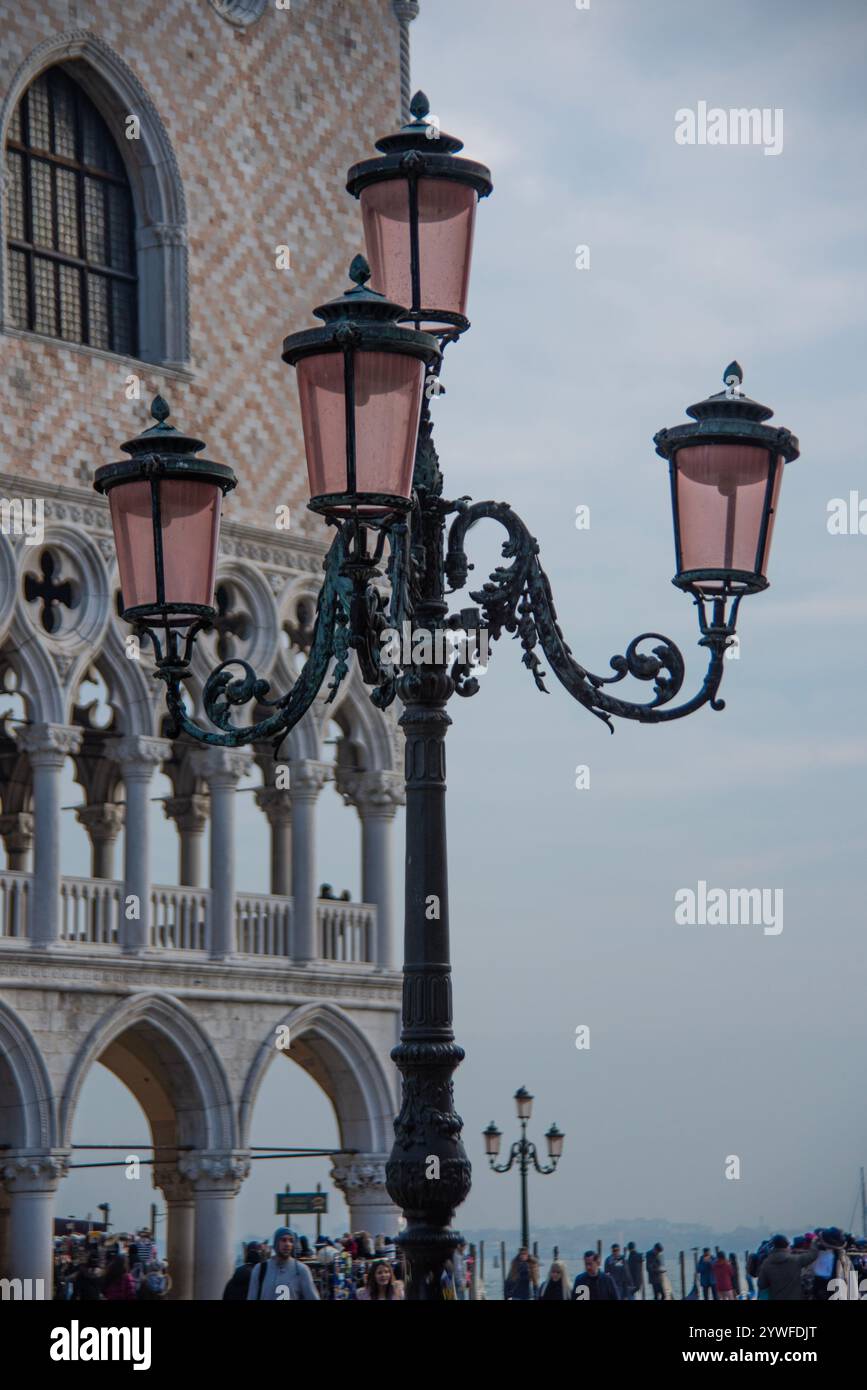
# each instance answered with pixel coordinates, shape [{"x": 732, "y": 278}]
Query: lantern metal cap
[
  {"x": 419, "y": 150},
  {"x": 728, "y": 417},
  {"x": 419, "y": 133},
  {"x": 360, "y": 302},
  {"x": 161, "y": 437},
  {"x": 360, "y": 318},
  {"x": 731, "y": 403},
  {"x": 163, "y": 451}
]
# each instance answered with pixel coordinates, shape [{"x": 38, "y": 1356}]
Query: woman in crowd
[
  {"x": 556, "y": 1286},
  {"x": 522, "y": 1284},
  {"x": 722, "y": 1274},
  {"x": 381, "y": 1284},
  {"x": 118, "y": 1284}
]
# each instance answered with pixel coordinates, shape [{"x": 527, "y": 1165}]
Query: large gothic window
[{"x": 71, "y": 226}]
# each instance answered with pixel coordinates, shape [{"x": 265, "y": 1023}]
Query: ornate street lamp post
[
  {"x": 374, "y": 474},
  {"x": 523, "y": 1152}
]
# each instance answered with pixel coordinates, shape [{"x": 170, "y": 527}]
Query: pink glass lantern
[
  {"x": 360, "y": 387},
  {"x": 726, "y": 471},
  {"x": 165, "y": 508},
  {"x": 418, "y": 206}
]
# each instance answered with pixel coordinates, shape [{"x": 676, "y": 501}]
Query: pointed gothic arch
[
  {"x": 157, "y": 1048},
  {"x": 328, "y": 1044},
  {"x": 27, "y": 1108},
  {"x": 155, "y": 180}
]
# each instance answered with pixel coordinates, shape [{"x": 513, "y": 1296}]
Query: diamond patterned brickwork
[{"x": 264, "y": 120}]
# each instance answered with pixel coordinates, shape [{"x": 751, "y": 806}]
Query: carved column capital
[
  {"x": 48, "y": 744},
  {"x": 138, "y": 754},
  {"x": 307, "y": 778},
  {"x": 34, "y": 1172},
  {"x": 221, "y": 766},
  {"x": 103, "y": 821},
  {"x": 174, "y": 1186},
  {"x": 16, "y": 831},
  {"x": 357, "y": 1174},
  {"x": 276, "y": 803},
  {"x": 190, "y": 813},
  {"x": 373, "y": 793},
  {"x": 211, "y": 1170}
]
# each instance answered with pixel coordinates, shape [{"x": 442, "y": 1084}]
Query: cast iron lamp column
[
  {"x": 524, "y": 1152},
  {"x": 365, "y": 379}
]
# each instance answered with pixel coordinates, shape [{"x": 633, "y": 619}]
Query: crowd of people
[
  {"x": 820, "y": 1265},
  {"x": 358, "y": 1266},
  {"x": 92, "y": 1266}
]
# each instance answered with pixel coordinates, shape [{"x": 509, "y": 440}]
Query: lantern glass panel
[
  {"x": 388, "y": 396},
  {"x": 721, "y": 497},
  {"x": 446, "y": 223},
  {"x": 492, "y": 1138},
  {"x": 190, "y": 525},
  {"x": 523, "y": 1104},
  {"x": 555, "y": 1142}
]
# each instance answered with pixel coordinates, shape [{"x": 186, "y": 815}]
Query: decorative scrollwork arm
[
  {"x": 517, "y": 599},
  {"x": 225, "y": 692}
]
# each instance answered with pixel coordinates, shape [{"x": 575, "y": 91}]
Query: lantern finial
[
  {"x": 359, "y": 271},
  {"x": 733, "y": 376},
  {"x": 160, "y": 409},
  {"x": 419, "y": 107}
]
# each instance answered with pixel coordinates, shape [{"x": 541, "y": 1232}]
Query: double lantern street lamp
[
  {"x": 523, "y": 1152},
  {"x": 365, "y": 378}
]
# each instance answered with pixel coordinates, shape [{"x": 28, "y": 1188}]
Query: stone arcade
[{"x": 182, "y": 999}]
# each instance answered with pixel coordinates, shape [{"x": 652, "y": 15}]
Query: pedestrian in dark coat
[
  {"x": 780, "y": 1273},
  {"x": 594, "y": 1285},
  {"x": 635, "y": 1265},
  {"x": 239, "y": 1285}
]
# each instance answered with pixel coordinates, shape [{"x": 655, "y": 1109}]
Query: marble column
[
  {"x": 361, "y": 1179},
  {"x": 180, "y": 1228},
  {"x": 139, "y": 756},
  {"x": 47, "y": 746},
  {"x": 306, "y": 780},
  {"x": 16, "y": 831},
  {"x": 222, "y": 768},
  {"x": 31, "y": 1182},
  {"x": 376, "y": 796},
  {"x": 190, "y": 814},
  {"x": 216, "y": 1181},
  {"x": 103, "y": 822},
  {"x": 277, "y": 805}
]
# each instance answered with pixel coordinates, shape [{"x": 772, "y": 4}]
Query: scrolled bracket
[
  {"x": 517, "y": 598},
  {"x": 225, "y": 692}
]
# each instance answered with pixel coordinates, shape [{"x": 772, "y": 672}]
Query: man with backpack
[{"x": 282, "y": 1277}]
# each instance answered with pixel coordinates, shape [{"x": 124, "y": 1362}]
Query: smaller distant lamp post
[{"x": 524, "y": 1152}]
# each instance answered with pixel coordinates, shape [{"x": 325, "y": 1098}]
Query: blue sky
[{"x": 705, "y": 1041}]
